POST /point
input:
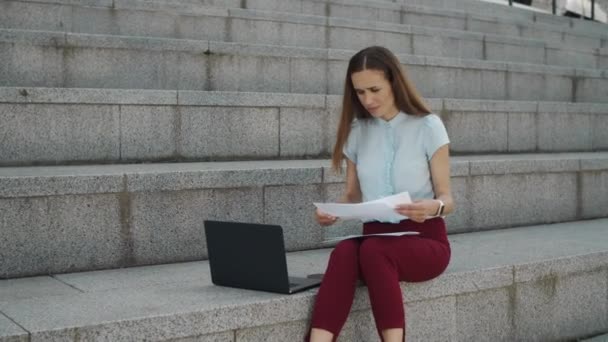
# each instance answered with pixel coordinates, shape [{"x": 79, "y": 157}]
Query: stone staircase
[
  {"x": 126, "y": 123},
  {"x": 410, "y": 33}
]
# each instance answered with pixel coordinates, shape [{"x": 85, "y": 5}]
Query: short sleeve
[
  {"x": 350, "y": 148},
  {"x": 435, "y": 135}
]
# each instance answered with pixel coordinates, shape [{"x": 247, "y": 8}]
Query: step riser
[
  {"x": 239, "y": 29},
  {"x": 137, "y": 64},
  {"x": 503, "y": 12},
  {"x": 469, "y": 10},
  {"x": 490, "y": 19},
  {"x": 486, "y": 17},
  {"x": 62, "y": 224},
  {"x": 37, "y": 134},
  {"x": 510, "y": 313}
]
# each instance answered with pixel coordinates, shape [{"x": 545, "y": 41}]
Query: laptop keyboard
[{"x": 293, "y": 284}]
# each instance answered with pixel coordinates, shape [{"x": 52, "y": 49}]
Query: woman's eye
[{"x": 375, "y": 90}]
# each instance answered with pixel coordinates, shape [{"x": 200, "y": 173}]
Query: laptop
[{"x": 251, "y": 256}]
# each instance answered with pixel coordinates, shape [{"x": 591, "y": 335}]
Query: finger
[
  {"x": 324, "y": 216},
  {"x": 412, "y": 206},
  {"x": 409, "y": 212},
  {"x": 402, "y": 206},
  {"x": 405, "y": 213},
  {"x": 327, "y": 220},
  {"x": 321, "y": 218},
  {"x": 417, "y": 206}
]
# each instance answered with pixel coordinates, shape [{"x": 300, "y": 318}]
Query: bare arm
[
  {"x": 352, "y": 194},
  {"x": 440, "y": 177}
]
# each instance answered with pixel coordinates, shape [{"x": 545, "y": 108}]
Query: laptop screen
[{"x": 247, "y": 255}]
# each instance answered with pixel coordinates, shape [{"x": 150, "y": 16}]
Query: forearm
[
  {"x": 448, "y": 203},
  {"x": 350, "y": 198}
]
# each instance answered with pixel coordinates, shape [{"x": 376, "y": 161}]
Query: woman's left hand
[{"x": 419, "y": 210}]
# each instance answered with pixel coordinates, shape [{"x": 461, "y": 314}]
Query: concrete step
[
  {"x": 50, "y": 126},
  {"x": 478, "y": 13},
  {"x": 473, "y": 15},
  {"x": 74, "y": 218},
  {"x": 51, "y": 59},
  {"x": 277, "y": 28},
  {"x": 538, "y": 283},
  {"x": 541, "y": 13}
]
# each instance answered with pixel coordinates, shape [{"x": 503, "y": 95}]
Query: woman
[{"x": 392, "y": 143}]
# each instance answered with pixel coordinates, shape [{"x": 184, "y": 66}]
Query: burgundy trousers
[{"x": 381, "y": 263}]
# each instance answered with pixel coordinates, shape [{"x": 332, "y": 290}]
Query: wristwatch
[{"x": 440, "y": 209}]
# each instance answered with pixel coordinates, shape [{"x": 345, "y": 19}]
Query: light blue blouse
[{"x": 393, "y": 156}]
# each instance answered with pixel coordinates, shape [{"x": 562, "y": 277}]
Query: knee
[
  {"x": 371, "y": 249},
  {"x": 346, "y": 251},
  {"x": 371, "y": 252}
]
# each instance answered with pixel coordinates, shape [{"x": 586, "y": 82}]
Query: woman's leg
[
  {"x": 335, "y": 296},
  {"x": 386, "y": 261},
  {"x": 393, "y": 335}
]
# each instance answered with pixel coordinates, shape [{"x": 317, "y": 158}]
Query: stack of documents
[
  {"x": 382, "y": 209},
  {"x": 346, "y": 237}
]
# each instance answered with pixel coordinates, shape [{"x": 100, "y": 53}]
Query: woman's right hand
[{"x": 324, "y": 219}]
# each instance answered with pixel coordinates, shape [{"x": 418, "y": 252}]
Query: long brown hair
[{"x": 406, "y": 96}]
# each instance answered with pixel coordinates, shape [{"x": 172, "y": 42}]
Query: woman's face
[{"x": 375, "y": 93}]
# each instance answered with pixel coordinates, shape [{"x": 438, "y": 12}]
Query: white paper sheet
[
  {"x": 346, "y": 237},
  {"x": 382, "y": 209}
]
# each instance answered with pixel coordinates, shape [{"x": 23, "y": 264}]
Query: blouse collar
[{"x": 399, "y": 118}]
